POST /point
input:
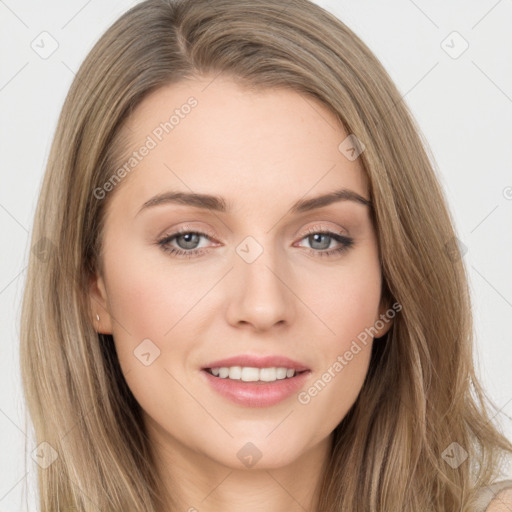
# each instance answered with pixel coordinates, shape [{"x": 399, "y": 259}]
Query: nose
[{"x": 260, "y": 293}]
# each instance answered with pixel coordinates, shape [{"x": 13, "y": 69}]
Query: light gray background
[{"x": 463, "y": 106}]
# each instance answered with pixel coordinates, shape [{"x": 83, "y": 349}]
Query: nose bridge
[{"x": 259, "y": 292}]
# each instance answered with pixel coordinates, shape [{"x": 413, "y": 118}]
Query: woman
[{"x": 246, "y": 295}]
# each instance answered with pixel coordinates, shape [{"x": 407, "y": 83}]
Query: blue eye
[
  {"x": 188, "y": 242},
  {"x": 319, "y": 237}
]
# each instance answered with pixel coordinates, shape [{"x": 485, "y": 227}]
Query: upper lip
[{"x": 257, "y": 362}]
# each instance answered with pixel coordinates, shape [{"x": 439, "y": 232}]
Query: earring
[{"x": 98, "y": 318}]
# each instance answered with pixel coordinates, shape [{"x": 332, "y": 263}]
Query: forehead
[{"x": 213, "y": 136}]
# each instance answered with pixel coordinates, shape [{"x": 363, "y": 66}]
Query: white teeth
[
  {"x": 235, "y": 372},
  {"x": 281, "y": 373},
  {"x": 268, "y": 374},
  {"x": 249, "y": 374},
  {"x": 223, "y": 372}
]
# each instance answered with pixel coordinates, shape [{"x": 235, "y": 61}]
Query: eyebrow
[{"x": 219, "y": 204}]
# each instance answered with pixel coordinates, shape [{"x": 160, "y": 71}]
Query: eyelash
[{"x": 345, "y": 241}]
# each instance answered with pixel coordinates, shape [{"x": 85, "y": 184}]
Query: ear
[
  {"x": 99, "y": 305},
  {"x": 385, "y": 320}
]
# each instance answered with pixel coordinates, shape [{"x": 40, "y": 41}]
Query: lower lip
[{"x": 257, "y": 394}]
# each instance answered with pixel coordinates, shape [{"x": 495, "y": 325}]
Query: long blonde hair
[{"x": 421, "y": 393}]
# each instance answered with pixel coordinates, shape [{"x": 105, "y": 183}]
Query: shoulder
[{"x": 502, "y": 502}]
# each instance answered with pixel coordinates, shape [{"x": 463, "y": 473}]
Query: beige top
[{"x": 487, "y": 494}]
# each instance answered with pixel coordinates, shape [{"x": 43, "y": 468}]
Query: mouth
[{"x": 254, "y": 381}]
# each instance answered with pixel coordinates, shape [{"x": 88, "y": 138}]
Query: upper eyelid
[{"x": 318, "y": 227}]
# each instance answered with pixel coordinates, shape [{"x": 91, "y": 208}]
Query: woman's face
[{"x": 251, "y": 278}]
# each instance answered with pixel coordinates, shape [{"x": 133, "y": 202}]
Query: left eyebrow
[
  {"x": 343, "y": 194},
  {"x": 219, "y": 204}
]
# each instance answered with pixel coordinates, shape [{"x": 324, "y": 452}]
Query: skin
[{"x": 261, "y": 151}]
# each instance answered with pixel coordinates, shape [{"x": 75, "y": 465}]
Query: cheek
[
  {"x": 346, "y": 351},
  {"x": 346, "y": 299},
  {"x": 148, "y": 299}
]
